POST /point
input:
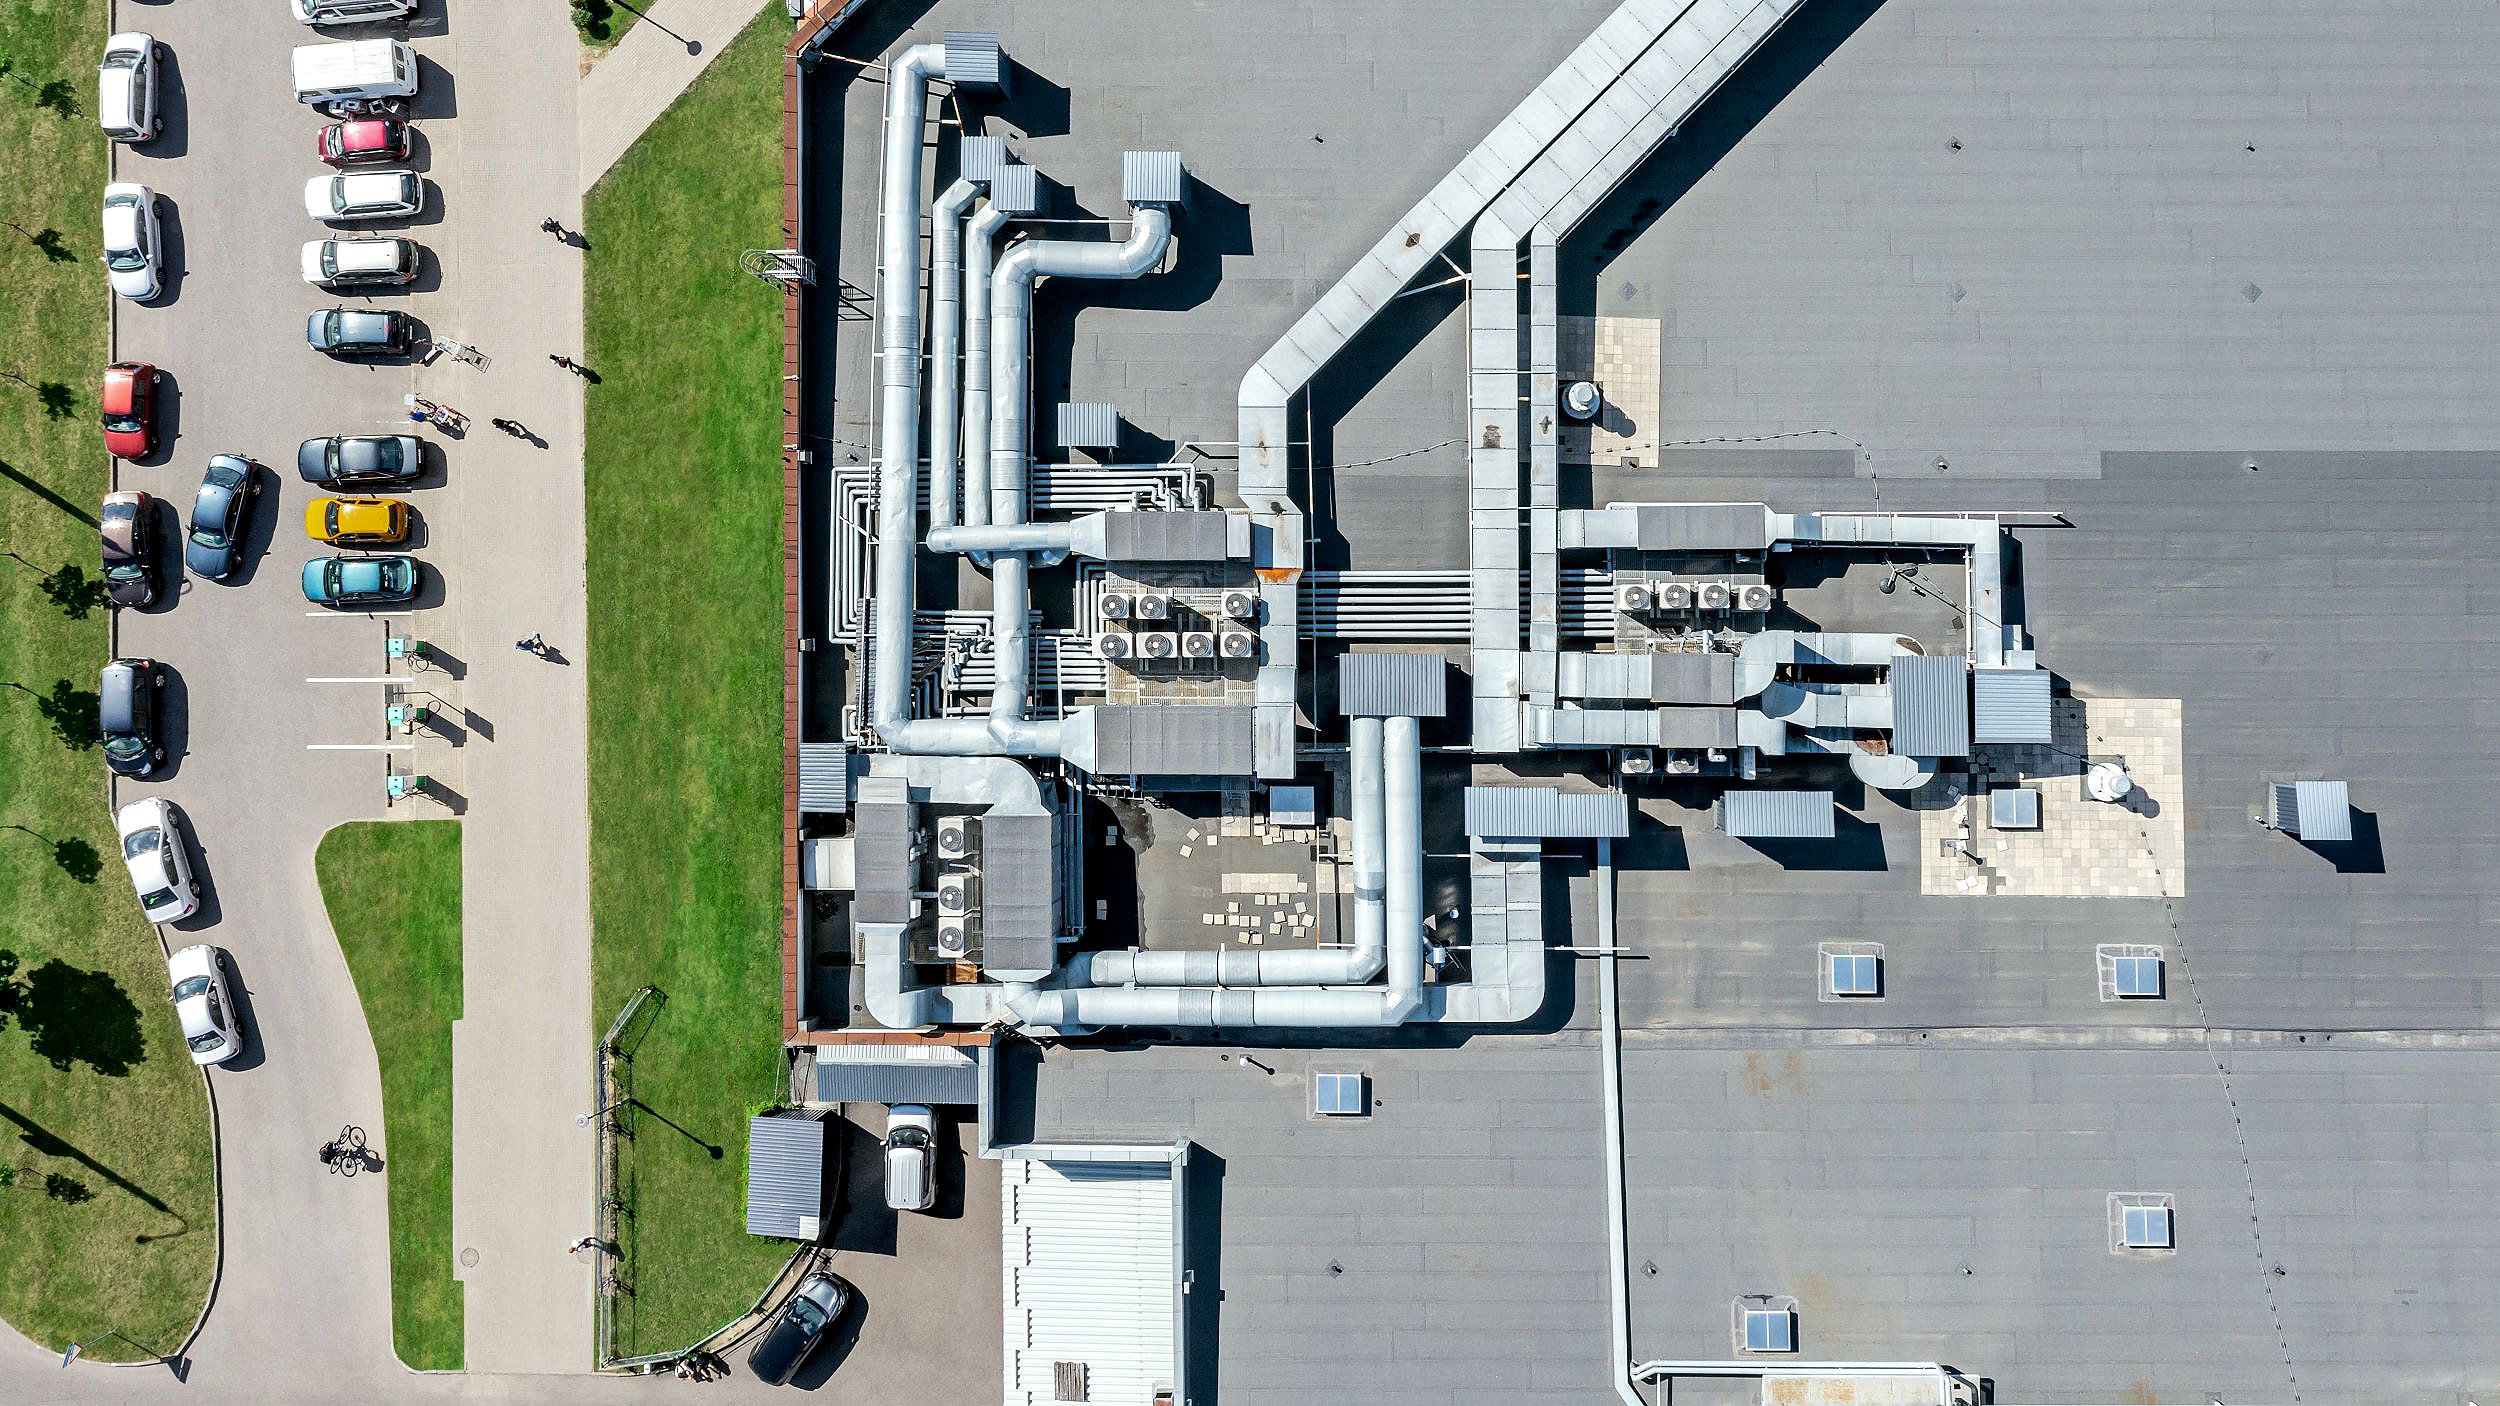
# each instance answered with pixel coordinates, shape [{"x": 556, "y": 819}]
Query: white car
[
  {"x": 202, "y": 1004},
  {"x": 349, "y": 11},
  {"x": 910, "y": 1157},
  {"x": 359, "y": 263},
  {"x": 126, "y": 88},
  {"x": 134, "y": 243},
  {"x": 160, "y": 870},
  {"x": 364, "y": 195}
]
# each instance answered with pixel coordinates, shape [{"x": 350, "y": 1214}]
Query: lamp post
[
  {"x": 76, "y": 1350},
  {"x": 602, "y": 1111}
]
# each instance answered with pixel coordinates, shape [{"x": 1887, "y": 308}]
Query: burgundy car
[{"x": 364, "y": 143}]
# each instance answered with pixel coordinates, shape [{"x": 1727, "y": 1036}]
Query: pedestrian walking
[
  {"x": 569, "y": 364},
  {"x": 535, "y": 644},
  {"x": 550, "y": 226},
  {"x": 582, "y": 1244},
  {"x": 513, "y": 428}
]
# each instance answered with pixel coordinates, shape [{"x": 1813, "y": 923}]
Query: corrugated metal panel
[
  {"x": 1184, "y": 535},
  {"x": 785, "y": 1173},
  {"x": 881, "y": 860},
  {"x": 973, "y": 60},
  {"x": 1930, "y": 705},
  {"x": 981, "y": 158},
  {"x": 1171, "y": 740},
  {"x": 1019, "y": 890},
  {"x": 1089, "y": 424},
  {"x": 1694, "y": 727},
  {"x": 1543, "y": 812},
  {"x": 2314, "y": 810},
  {"x": 938, "y": 1074},
  {"x": 1776, "y": 815},
  {"x": 1016, "y": 190},
  {"x": 1090, "y": 1255},
  {"x": 2011, "y": 706},
  {"x": 1377, "y": 684},
  {"x": 1152, "y": 177},
  {"x": 824, "y": 778}
]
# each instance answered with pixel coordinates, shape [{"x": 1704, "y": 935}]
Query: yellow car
[{"x": 356, "y": 522}]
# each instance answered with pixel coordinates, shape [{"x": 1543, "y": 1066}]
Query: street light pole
[{"x": 602, "y": 1111}]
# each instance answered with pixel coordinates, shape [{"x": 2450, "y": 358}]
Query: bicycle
[{"x": 344, "y": 1155}]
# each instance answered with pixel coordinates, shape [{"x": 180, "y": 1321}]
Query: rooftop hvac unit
[
  {"x": 1237, "y": 644},
  {"x": 1153, "y": 605},
  {"x": 1115, "y": 606},
  {"x": 1111, "y": 644},
  {"x": 955, "y": 836},
  {"x": 1198, "y": 644},
  {"x": 1635, "y": 599},
  {"x": 1241, "y": 605},
  {"x": 954, "y": 939},
  {"x": 1753, "y": 597},
  {"x": 1156, "y": 645},
  {"x": 1713, "y": 595},
  {"x": 1674, "y": 595},
  {"x": 956, "y": 895}
]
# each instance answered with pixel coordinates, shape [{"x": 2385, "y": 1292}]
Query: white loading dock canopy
[{"x": 1094, "y": 1285}]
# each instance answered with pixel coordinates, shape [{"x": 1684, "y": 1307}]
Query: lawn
[
  {"x": 392, "y": 889},
  {"x": 108, "y": 1212},
  {"x": 685, "y": 689}
]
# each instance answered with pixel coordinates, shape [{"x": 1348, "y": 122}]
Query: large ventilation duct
[{"x": 945, "y": 360}]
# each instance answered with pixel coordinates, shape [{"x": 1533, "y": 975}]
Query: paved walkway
[
  {"x": 521, "y": 1170},
  {"x": 649, "y": 67}
]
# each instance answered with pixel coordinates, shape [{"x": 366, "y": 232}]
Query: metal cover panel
[
  {"x": 1152, "y": 177},
  {"x": 1165, "y": 536},
  {"x": 882, "y": 860},
  {"x": 1296, "y": 806},
  {"x": 2011, "y": 706},
  {"x": 1702, "y": 527},
  {"x": 1776, "y": 815},
  {"x": 1930, "y": 705},
  {"x": 1693, "y": 727},
  {"x": 1172, "y": 740},
  {"x": 785, "y": 1173},
  {"x": 973, "y": 60},
  {"x": 1091, "y": 1274},
  {"x": 846, "y": 1080},
  {"x": 1542, "y": 812},
  {"x": 2322, "y": 810},
  {"x": 1089, "y": 424},
  {"x": 981, "y": 158},
  {"x": 1019, "y": 890},
  {"x": 1692, "y": 678},
  {"x": 1385, "y": 684},
  {"x": 1016, "y": 190},
  {"x": 824, "y": 778}
]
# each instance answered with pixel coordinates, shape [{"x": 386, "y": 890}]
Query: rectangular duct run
[
  {"x": 981, "y": 158},
  {"x": 1384, "y": 684},
  {"x": 824, "y": 778},
  {"x": 1016, "y": 190},
  {"x": 1152, "y": 178},
  {"x": 1776, "y": 815},
  {"x": 1930, "y": 705}
]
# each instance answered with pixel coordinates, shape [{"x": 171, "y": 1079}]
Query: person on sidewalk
[
  {"x": 535, "y": 644},
  {"x": 513, "y": 428}
]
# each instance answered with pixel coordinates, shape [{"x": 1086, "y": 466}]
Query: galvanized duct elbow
[{"x": 945, "y": 359}]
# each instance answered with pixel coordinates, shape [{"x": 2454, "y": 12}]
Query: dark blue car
[{"x": 220, "y": 516}]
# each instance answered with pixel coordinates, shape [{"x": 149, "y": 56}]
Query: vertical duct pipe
[
  {"x": 945, "y": 329},
  {"x": 1370, "y": 836},
  {"x": 980, "y": 248},
  {"x": 1402, "y": 792}
]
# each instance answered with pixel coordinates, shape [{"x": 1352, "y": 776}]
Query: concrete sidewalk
[
  {"x": 655, "y": 61},
  {"x": 522, "y": 1171}
]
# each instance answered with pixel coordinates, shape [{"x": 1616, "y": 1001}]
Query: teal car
[{"x": 344, "y": 581}]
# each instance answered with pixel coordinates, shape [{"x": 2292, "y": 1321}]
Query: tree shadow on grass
[
  {"x": 75, "y": 1017},
  {"x": 72, "y": 591},
  {"x": 49, "y": 1144},
  {"x": 47, "y": 240},
  {"x": 18, "y": 476},
  {"x": 74, "y": 713}
]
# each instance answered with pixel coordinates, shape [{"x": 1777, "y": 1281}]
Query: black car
[
  {"x": 128, "y": 527},
  {"x": 220, "y": 514},
  {"x": 130, "y": 706},
  {"x": 361, "y": 461},
  {"x": 812, "y": 1310},
  {"x": 360, "y": 332}
]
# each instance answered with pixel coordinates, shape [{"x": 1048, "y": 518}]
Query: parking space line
[
  {"x": 361, "y": 615},
  {"x": 359, "y": 746},
  {"x": 377, "y": 678}
]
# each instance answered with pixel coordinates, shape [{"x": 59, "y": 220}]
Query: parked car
[
  {"x": 351, "y": 581},
  {"x": 361, "y": 460},
  {"x": 357, "y": 76},
  {"x": 910, "y": 1157},
  {"x": 202, "y": 1005},
  {"x": 129, "y": 407},
  {"x": 130, "y": 566},
  {"x": 126, "y": 88},
  {"x": 798, "y": 1327},
  {"x": 130, "y": 711},
  {"x": 160, "y": 870},
  {"x": 351, "y": 11},
  {"x": 134, "y": 242},
  {"x": 359, "y": 263},
  {"x": 360, "y": 332},
  {"x": 371, "y": 141},
  {"x": 356, "y": 522},
  {"x": 220, "y": 514},
  {"x": 364, "y": 195}
]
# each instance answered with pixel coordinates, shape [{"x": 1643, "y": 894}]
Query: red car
[
  {"x": 130, "y": 408},
  {"x": 364, "y": 143}
]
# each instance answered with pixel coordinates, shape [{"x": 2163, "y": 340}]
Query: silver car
[
  {"x": 134, "y": 243},
  {"x": 125, "y": 102},
  {"x": 160, "y": 870},
  {"x": 203, "y": 1005}
]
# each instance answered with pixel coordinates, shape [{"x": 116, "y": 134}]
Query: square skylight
[
  {"x": 2145, "y": 1227},
  {"x": 1855, "y": 974},
  {"x": 1339, "y": 1094},
  {"x": 1770, "y": 1330},
  {"x": 2137, "y": 977}
]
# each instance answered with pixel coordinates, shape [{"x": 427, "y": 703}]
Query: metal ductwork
[{"x": 945, "y": 360}]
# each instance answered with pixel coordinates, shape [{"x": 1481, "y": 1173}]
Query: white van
[
  {"x": 910, "y": 1157},
  {"x": 350, "y": 11},
  {"x": 126, "y": 88},
  {"x": 366, "y": 68}
]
